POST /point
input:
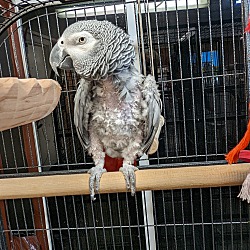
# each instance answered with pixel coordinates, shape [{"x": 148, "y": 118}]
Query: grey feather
[
  {"x": 151, "y": 94},
  {"x": 82, "y": 109}
]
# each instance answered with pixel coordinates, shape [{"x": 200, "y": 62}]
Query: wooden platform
[{"x": 23, "y": 101}]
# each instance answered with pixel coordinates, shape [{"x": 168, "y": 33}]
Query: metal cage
[{"x": 197, "y": 51}]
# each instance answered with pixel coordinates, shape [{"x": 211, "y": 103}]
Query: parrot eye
[
  {"x": 61, "y": 42},
  {"x": 82, "y": 40}
]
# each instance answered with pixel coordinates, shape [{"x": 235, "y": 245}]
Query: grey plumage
[{"x": 117, "y": 109}]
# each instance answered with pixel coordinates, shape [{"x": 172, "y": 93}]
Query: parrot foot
[
  {"x": 94, "y": 180},
  {"x": 129, "y": 175}
]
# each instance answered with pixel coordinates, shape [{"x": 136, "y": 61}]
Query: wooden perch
[
  {"x": 151, "y": 179},
  {"x": 23, "y": 101}
]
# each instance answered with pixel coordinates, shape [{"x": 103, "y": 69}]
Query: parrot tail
[{"x": 233, "y": 155}]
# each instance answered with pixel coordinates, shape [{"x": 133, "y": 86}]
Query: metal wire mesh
[
  {"x": 183, "y": 219},
  {"x": 11, "y": 11},
  {"x": 198, "y": 56}
]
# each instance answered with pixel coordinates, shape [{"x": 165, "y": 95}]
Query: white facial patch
[{"x": 76, "y": 40}]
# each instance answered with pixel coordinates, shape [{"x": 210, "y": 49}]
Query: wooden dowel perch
[
  {"x": 152, "y": 179},
  {"x": 23, "y": 101}
]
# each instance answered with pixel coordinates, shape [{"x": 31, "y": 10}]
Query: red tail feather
[{"x": 113, "y": 164}]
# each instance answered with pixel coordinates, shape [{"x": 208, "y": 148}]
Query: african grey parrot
[{"x": 117, "y": 109}]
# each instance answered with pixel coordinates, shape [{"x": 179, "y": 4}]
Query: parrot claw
[
  {"x": 94, "y": 180},
  {"x": 129, "y": 175}
]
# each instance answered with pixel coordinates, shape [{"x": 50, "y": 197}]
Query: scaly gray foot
[
  {"x": 94, "y": 180},
  {"x": 129, "y": 175}
]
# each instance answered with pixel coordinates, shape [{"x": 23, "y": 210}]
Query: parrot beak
[{"x": 60, "y": 59}]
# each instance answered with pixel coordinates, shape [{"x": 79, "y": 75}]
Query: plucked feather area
[
  {"x": 122, "y": 112},
  {"x": 118, "y": 120}
]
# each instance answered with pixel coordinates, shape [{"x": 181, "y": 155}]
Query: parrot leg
[
  {"x": 127, "y": 168},
  {"x": 128, "y": 171},
  {"x": 94, "y": 179},
  {"x": 97, "y": 171}
]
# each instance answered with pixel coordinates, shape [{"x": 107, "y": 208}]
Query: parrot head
[{"x": 94, "y": 49}]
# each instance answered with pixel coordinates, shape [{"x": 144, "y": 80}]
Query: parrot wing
[
  {"x": 82, "y": 109},
  {"x": 153, "y": 105}
]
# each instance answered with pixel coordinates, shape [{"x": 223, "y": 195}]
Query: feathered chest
[{"x": 113, "y": 113}]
